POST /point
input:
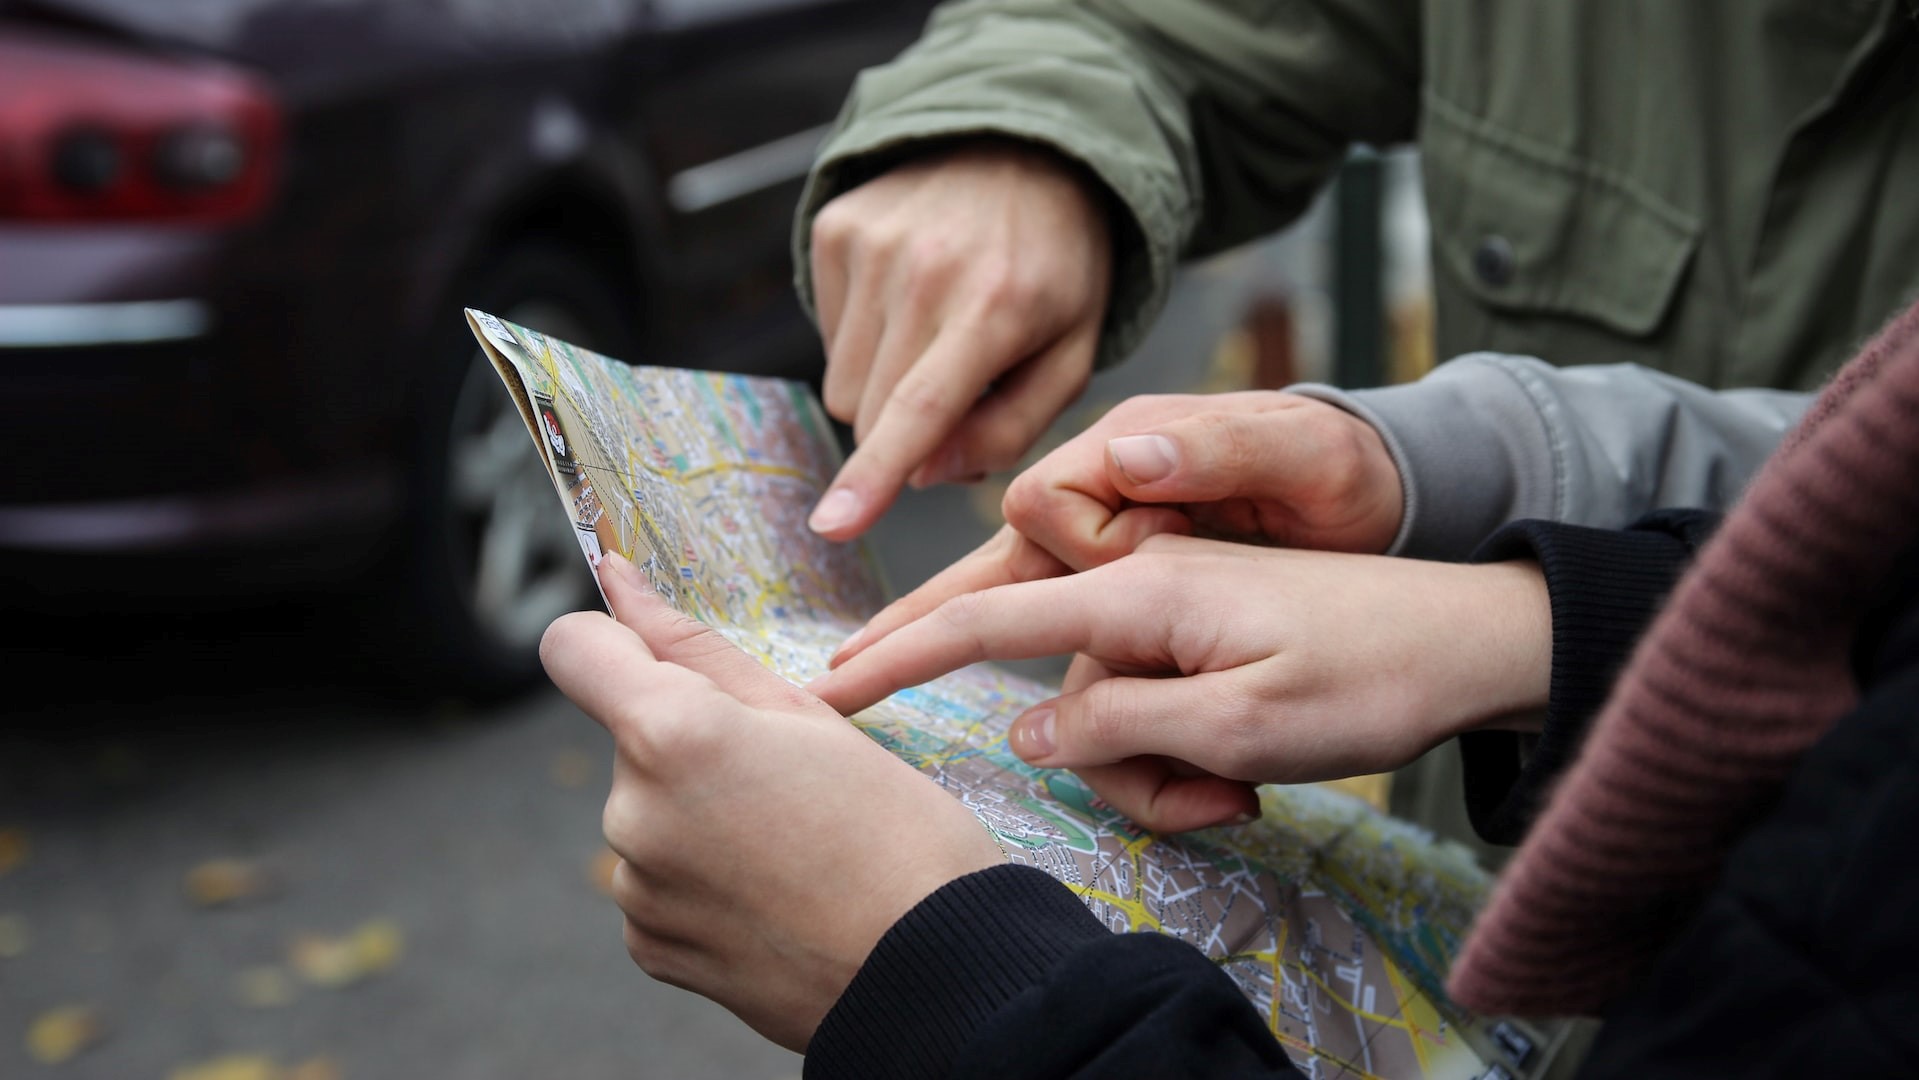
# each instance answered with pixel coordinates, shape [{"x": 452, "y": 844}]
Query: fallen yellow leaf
[
  {"x": 335, "y": 962},
  {"x": 572, "y": 769},
  {"x": 218, "y": 882},
  {"x": 230, "y": 1067},
  {"x": 257, "y": 1067},
  {"x": 58, "y": 1034},
  {"x": 13, "y": 936},
  {"x": 265, "y": 987},
  {"x": 13, "y": 849},
  {"x": 600, "y": 872},
  {"x": 320, "y": 1068}
]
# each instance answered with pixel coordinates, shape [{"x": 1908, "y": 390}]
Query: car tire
[{"x": 487, "y": 559}]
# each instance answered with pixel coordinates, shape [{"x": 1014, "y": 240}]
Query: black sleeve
[
  {"x": 1605, "y": 586},
  {"x": 1004, "y": 975}
]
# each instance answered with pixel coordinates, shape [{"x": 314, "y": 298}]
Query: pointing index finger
[
  {"x": 1004, "y": 560},
  {"x": 1081, "y": 613},
  {"x": 923, "y": 408}
]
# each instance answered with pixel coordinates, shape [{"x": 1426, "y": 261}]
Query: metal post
[{"x": 1359, "y": 291}]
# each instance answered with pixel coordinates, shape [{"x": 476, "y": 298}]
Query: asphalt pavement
[{"x": 224, "y": 856}]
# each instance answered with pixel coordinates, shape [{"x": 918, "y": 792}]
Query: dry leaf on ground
[
  {"x": 58, "y": 1034},
  {"x": 256, "y": 1067},
  {"x": 335, "y": 962},
  {"x": 572, "y": 769},
  {"x": 320, "y": 1068},
  {"x": 218, "y": 882},
  {"x": 14, "y": 936},
  {"x": 264, "y": 987},
  {"x": 230, "y": 1067},
  {"x": 13, "y": 849},
  {"x": 600, "y": 871}
]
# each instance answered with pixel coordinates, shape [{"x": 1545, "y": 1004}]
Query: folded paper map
[{"x": 1337, "y": 921}]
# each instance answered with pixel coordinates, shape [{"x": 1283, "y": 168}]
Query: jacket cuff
[
  {"x": 1472, "y": 451},
  {"x": 1605, "y": 586},
  {"x": 946, "y": 968}
]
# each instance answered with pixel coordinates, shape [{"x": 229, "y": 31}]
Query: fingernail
[
  {"x": 1144, "y": 458},
  {"x": 1034, "y": 733},
  {"x": 839, "y": 509},
  {"x": 623, "y": 569},
  {"x": 1243, "y": 818}
]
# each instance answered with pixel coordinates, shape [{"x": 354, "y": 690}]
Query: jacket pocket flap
[{"x": 1526, "y": 227}]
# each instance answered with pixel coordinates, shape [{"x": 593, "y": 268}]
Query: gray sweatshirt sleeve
[{"x": 1488, "y": 438}]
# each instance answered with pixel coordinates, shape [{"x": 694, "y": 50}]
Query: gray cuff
[{"x": 1472, "y": 451}]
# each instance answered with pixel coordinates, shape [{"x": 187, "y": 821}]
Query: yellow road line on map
[
  {"x": 1133, "y": 906},
  {"x": 1345, "y": 1065},
  {"x": 744, "y": 466},
  {"x": 1353, "y": 1007},
  {"x": 1419, "y": 1035}
]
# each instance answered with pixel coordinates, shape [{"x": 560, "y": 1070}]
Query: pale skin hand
[
  {"x": 1207, "y": 667},
  {"x": 743, "y": 811},
  {"x": 1261, "y": 466},
  {"x": 960, "y": 298}
]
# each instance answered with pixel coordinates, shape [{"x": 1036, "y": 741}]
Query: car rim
[{"x": 521, "y": 565}]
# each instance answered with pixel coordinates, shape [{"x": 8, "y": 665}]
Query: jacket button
[{"x": 1493, "y": 261}]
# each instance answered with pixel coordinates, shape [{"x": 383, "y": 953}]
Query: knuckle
[
  {"x": 918, "y": 398},
  {"x": 1240, "y": 733},
  {"x": 621, "y": 824},
  {"x": 961, "y": 612},
  {"x": 961, "y": 616},
  {"x": 1026, "y": 501},
  {"x": 926, "y": 277},
  {"x": 1002, "y": 284},
  {"x": 679, "y": 739},
  {"x": 651, "y": 954},
  {"x": 832, "y": 228},
  {"x": 1227, "y": 444},
  {"x": 841, "y": 398},
  {"x": 1107, "y": 715},
  {"x": 1340, "y": 444}
]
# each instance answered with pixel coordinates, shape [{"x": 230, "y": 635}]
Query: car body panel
[{"x": 419, "y": 138}]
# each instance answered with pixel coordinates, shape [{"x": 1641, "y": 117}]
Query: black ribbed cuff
[
  {"x": 1605, "y": 587},
  {"x": 945, "y": 968}
]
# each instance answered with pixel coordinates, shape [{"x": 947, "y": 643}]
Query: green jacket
[{"x": 1727, "y": 190}]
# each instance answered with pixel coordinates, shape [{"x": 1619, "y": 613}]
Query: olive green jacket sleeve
[{"x": 1211, "y": 122}]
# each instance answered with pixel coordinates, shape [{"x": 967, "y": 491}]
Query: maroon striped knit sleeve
[{"x": 1746, "y": 667}]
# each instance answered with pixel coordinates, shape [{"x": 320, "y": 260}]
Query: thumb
[
  {"x": 1122, "y": 717},
  {"x": 1211, "y": 457},
  {"x": 677, "y": 639}
]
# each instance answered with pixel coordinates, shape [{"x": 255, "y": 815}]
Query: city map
[{"x": 1337, "y": 921}]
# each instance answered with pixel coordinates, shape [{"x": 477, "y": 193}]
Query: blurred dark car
[{"x": 236, "y": 237}]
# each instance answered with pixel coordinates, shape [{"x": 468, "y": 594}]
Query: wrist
[{"x": 1506, "y": 652}]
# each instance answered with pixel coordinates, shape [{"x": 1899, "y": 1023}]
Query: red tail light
[{"x": 90, "y": 134}]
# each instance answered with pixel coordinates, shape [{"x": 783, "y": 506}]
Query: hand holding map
[
  {"x": 1337, "y": 922},
  {"x": 713, "y": 752}
]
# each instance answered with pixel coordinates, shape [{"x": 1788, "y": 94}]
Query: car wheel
[{"x": 489, "y": 558}]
